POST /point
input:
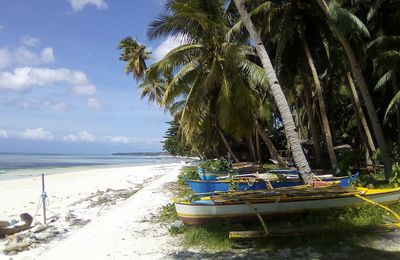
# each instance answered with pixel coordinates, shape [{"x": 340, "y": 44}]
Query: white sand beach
[{"x": 129, "y": 229}]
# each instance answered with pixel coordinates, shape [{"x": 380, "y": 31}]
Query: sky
[{"x": 62, "y": 85}]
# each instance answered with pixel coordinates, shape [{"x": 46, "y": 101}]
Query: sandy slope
[{"x": 125, "y": 230}]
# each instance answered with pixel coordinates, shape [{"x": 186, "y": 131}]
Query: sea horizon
[{"x": 22, "y": 165}]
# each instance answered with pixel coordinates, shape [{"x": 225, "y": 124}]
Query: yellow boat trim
[
  {"x": 380, "y": 205},
  {"x": 284, "y": 198},
  {"x": 266, "y": 213}
]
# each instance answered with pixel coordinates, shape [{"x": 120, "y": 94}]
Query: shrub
[
  {"x": 219, "y": 165},
  {"x": 188, "y": 173}
]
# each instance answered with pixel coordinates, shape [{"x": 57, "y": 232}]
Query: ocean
[{"x": 14, "y": 166}]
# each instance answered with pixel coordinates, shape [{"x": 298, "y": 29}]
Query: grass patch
[
  {"x": 168, "y": 213},
  {"x": 327, "y": 227},
  {"x": 213, "y": 236}
]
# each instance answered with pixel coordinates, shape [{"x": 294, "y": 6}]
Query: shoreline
[
  {"x": 74, "y": 193},
  {"x": 33, "y": 165}
]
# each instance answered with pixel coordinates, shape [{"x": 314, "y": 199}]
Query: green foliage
[
  {"x": 213, "y": 236},
  {"x": 373, "y": 180},
  {"x": 188, "y": 173},
  {"x": 174, "y": 143},
  {"x": 395, "y": 179},
  {"x": 168, "y": 213},
  {"x": 135, "y": 56},
  {"x": 219, "y": 165},
  {"x": 348, "y": 160}
]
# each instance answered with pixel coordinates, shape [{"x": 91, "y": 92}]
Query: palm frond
[
  {"x": 393, "y": 104},
  {"x": 345, "y": 20},
  {"x": 383, "y": 80}
]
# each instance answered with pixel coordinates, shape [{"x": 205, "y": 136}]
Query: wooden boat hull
[{"x": 199, "y": 212}]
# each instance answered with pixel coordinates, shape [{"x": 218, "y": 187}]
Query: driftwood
[
  {"x": 17, "y": 247},
  {"x": 6, "y": 229}
]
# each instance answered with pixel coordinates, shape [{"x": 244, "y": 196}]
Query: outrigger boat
[
  {"x": 254, "y": 182},
  {"x": 241, "y": 206}
]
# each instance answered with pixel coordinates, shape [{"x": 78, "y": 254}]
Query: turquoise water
[{"x": 25, "y": 165}]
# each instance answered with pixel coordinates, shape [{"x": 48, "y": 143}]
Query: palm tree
[
  {"x": 385, "y": 52},
  {"x": 277, "y": 93},
  {"x": 336, "y": 16},
  {"x": 214, "y": 75},
  {"x": 318, "y": 90},
  {"x": 135, "y": 56}
]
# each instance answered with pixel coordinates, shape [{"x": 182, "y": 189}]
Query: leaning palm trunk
[
  {"x": 258, "y": 148},
  {"x": 361, "y": 82},
  {"x": 271, "y": 147},
  {"x": 318, "y": 90},
  {"x": 360, "y": 114},
  {"x": 227, "y": 146},
  {"x": 252, "y": 150},
  {"x": 280, "y": 99}
]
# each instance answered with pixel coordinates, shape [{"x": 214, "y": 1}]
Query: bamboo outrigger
[{"x": 234, "y": 205}]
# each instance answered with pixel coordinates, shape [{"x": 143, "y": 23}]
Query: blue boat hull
[
  {"x": 211, "y": 186},
  {"x": 211, "y": 176}
]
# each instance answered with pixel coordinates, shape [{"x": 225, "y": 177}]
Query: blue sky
[{"x": 62, "y": 86}]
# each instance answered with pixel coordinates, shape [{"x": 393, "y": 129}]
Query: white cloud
[
  {"x": 79, "y": 5},
  {"x": 37, "y": 134},
  {"x": 85, "y": 136},
  {"x": 82, "y": 136},
  {"x": 167, "y": 45},
  {"x": 3, "y": 134},
  {"x": 30, "y": 41},
  {"x": 43, "y": 104},
  {"x": 60, "y": 106},
  {"x": 25, "y": 78},
  {"x": 118, "y": 139},
  {"x": 23, "y": 56},
  {"x": 55, "y": 105},
  {"x": 94, "y": 103},
  {"x": 21, "y": 103},
  {"x": 47, "y": 55},
  {"x": 5, "y": 58},
  {"x": 85, "y": 90}
]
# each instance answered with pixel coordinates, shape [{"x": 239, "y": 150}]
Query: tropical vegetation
[{"x": 314, "y": 83}]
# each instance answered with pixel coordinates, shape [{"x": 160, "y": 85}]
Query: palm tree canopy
[{"x": 135, "y": 56}]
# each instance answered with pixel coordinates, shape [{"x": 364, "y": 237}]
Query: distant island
[{"x": 141, "y": 154}]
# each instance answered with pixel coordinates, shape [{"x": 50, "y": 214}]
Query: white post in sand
[{"x": 44, "y": 200}]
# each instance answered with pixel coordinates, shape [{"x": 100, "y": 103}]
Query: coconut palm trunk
[
  {"x": 360, "y": 114},
  {"x": 271, "y": 147},
  {"x": 226, "y": 143},
  {"x": 277, "y": 92},
  {"x": 361, "y": 82},
  {"x": 321, "y": 102},
  {"x": 252, "y": 149},
  {"x": 258, "y": 148},
  {"x": 311, "y": 120}
]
